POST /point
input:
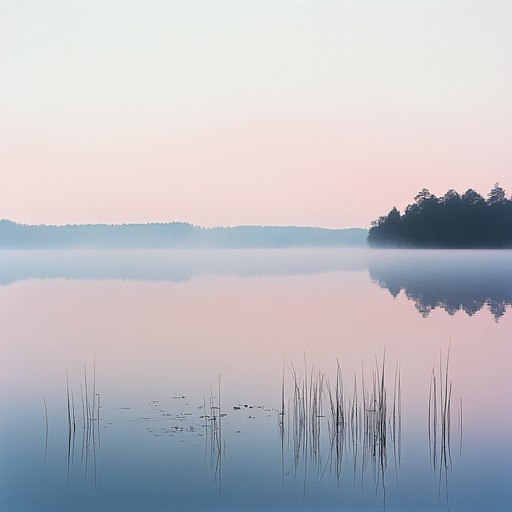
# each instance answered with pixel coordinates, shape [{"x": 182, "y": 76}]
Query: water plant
[
  {"x": 359, "y": 424},
  {"x": 90, "y": 401},
  {"x": 440, "y": 422},
  {"x": 214, "y": 444},
  {"x": 45, "y": 429}
]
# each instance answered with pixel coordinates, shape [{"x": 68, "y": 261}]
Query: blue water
[{"x": 152, "y": 335}]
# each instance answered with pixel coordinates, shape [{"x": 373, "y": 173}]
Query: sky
[{"x": 224, "y": 112}]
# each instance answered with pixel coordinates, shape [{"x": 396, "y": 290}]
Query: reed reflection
[
  {"x": 357, "y": 427},
  {"x": 347, "y": 428},
  {"x": 90, "y": 406},
  {"x": 214, "y": 445},
  {"x": 206, "y": 423},
  {"x": 452, "y": 280},
  {"x": 440, "y": 424}
]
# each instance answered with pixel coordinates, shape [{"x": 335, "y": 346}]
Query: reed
[
  {"x": 439, "y": 414},
  {"x": 396, "y": 430},
  {"x": 363, "y": 421},
  {"x": 45, "y": 430},
  {"x": 214, "y": 444},
  {"x": 440, "y": 421},
  {"x": 341, "y": 422},
  {"x": 90, "y": 405}
]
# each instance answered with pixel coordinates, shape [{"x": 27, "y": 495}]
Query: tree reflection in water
[{"x": 451, "y": 280}]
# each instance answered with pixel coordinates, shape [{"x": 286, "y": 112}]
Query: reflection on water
[
  {"x": 213, "y": 433},
  {"x": 447, "y": 279},
  {"x": 350, "y": 428},
  {"x": 90, "y": 425},
  {"x": 358, "y": 426},
  {"x": 173, "y": 265},
  {"x": 379, "y": 425},
  {"x": 451, "y": 280},
  {"x": 440, "y": 423}
]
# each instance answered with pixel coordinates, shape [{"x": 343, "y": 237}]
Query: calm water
[{"x": 256, "y": 380}]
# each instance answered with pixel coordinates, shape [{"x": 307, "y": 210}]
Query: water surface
[{"x": 165, "y": 337}]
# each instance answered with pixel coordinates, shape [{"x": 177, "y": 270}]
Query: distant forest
[
  {"x": 451, "y": 221},
  {"x": 172, "y": 235}
]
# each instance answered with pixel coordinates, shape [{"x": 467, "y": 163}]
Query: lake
[{"x": 331, "y": 379}]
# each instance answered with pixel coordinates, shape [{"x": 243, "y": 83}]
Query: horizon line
[{"x": 181, "y": 222}]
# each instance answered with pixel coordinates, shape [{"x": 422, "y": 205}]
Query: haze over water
[{"x": 163, "y": 328}]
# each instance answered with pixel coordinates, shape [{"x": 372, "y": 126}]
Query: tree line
[
  {"x": 451, "y": 221},
  {"x": 172, "y": 235}
]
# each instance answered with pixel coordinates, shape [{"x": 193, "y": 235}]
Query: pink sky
[{"x": 229, "y": 113}]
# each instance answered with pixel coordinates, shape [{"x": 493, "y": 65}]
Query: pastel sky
[{"x": 317, "y": 113}]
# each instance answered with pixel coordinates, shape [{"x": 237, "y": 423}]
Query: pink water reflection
[
  {"x": 156, "y": 337},
  {"x": 152, "y": 340}
]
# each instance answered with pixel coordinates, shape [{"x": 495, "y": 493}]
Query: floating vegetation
[{"x": 348, "y": 426}]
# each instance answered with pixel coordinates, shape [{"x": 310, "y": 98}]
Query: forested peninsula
[
  {"x": 172, "y": 235},
  {"x": 451, "y": 221}
]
